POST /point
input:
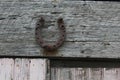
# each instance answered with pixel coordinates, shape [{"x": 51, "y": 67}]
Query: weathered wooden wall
[
  {"x": 85, "y": 73},
  {"x": 93, "y": 27},
  {"x": 23, "y": 69},
  {"x": 85, "y": 69}
]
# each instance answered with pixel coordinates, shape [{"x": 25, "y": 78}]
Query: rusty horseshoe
[{"x": 41, "y": 42}]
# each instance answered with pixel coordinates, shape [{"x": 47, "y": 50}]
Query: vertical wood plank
[
  {"x": 38, "y": 69},
  {"x": 96, "y": 74},
  {"x": 21, "y": 70},
  {"x": 118, "y": 73},
  {"x": 85, "y": 74},
  {"x": 6, "y": 69},
  {"x": 111, "y": 74}
]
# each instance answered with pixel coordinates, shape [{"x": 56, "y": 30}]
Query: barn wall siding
[
  {"x": 23, "y": 69},
  {"x": 93, "y": 27},
  {"x": 85, "y": 73}
]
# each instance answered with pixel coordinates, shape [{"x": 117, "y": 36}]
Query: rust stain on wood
[{"x": 50, "y": 53}]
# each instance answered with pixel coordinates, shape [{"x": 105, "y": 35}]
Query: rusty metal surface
[{"x": 42, "y": 43}]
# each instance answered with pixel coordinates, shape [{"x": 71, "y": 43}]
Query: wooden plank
[
  {"x": 111, "y": 74},
  {"x": 85, "y": 73},
  {"x": 38, "y": 69},
  {"x": 93, "y": 28},
  {"x": 6, "y": 69},
  {"x": 23, "y": 69},
  {"x": 97, "y": 74},
  {"x": 94, "y": 21},
  {"x": 23, "y": 0},
  {"x": 69, "y": 49}
]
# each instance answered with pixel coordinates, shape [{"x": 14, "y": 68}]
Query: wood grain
[
  {"x": 93, "y": 27},
  {"x": 38, "y": 69},
  {"x": 85, "y": 73},
  {"x": 6, "y": 69},
  {"x": 23, "y": 69},
  {"x": 70, "y": 49}
]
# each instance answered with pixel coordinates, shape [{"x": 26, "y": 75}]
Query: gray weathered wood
[
  {"x": 70, "y": 49},
  {"x": 85, "y": 73},
  {"x": 93, "y": 27},
  {"x": 23, "y": 69}
]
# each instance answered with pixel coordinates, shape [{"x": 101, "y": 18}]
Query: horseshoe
[{"x": 42, "y": 43}]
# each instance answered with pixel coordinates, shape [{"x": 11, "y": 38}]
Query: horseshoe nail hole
[
  {"x": 62, "y": 26},
  {"x": 54, "y": 46},
  {"x": 38, "y": 24},
  {"x": 36, "y": 28}
]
